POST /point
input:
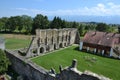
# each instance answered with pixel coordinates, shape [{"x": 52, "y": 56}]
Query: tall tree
[
  {"x": 40, "y": 21},
  {"x": 1, "y": 24},
  {"x": 56, "y": 23},
  {"x": 14, "y": 23},
  {"x": 102, "y": 27},
  {"x": 75, "y": 24},
  {"x": 64, "y": 24},
  {"x": 3, "y": 21},
  {"x": 19, "y": 23},
  {"x": 27, "y": 23},
  {"x": 81, "y": 29}
]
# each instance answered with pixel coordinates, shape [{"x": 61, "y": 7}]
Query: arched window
[{"x": 41, "y": 50}]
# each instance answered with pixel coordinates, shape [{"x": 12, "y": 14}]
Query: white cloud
[{"x": 108, "y": 9}]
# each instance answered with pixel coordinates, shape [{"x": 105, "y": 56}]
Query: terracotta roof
[{"x": 102, "y": 38}]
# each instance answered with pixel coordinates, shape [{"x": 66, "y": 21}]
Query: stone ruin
[
  {"x": 47, "y": 40},
  {"x": 71, "y": 73}
]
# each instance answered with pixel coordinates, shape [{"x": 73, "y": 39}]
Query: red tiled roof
[{"x": 101, "y": 38}]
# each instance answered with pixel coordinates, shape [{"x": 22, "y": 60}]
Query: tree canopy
[
  {"x": 40, "y": 22},
  {"x": 102, "y": 27},
  {"x": 26, "y": 24}
]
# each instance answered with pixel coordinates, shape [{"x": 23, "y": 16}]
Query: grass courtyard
[
  {"x": 100, "y": 65},
  {"x": 16, "y": 41}
]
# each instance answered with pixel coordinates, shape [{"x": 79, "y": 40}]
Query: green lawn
[
  {"x": 101, "y": 65},
  {"x": 16, "y": 43}
]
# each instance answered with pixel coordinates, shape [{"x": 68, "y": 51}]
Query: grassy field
[
  {"x": 100, "y": 65},
  {"x": 16, "y": 41}
]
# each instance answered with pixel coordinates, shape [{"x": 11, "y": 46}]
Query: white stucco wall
[{"x": 81, "y": 45}]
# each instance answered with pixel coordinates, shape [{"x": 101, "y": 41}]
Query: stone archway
[
  {"x": 41, "y": 50},
  {"x": 55, "y": 47},
  {"x": 65, "y": 44},
  {"x": 60, "y": 45},
  {"x": 34, "y": 51},
  {"x": 47, "y": 48}
]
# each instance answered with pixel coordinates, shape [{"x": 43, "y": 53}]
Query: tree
[
  {"x": 14, "y": 23},
  {"x": 4, "y": 62},
  {"x": 56, "y": 23},
  {"x": 41, "y": 22},
  {"x": 3, "y": 21},
  {"x": 81, "y": 29},
  {"x": 102, "y": 27},
  {"x": 75, "y": 24},
  {"x": 27, "y": 23},
  {"x": 64, "y": 24},
  {"x": 1, "y": 24},
  {"x": 19, "y": 23}
]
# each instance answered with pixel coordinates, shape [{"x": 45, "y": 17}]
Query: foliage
[
  {"x": 102, "y": 27},
  {"x": 27, "y": 25},
  {"x": 86, "y": 61},
  {"x": 75, "y": 24},
  {"x": 13, "y": 23},
  {"x": 56, "y": 23},
  {"x": 4, "y": 62},
  {"x": 40, "y": 22},
  {"x": 3, "y": 22}
]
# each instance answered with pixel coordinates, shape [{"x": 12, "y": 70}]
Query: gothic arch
[
  {"x": 42, "y": 50},
  {"x": 60, "y": 45},
  {"x": 47, "y": 48},
  {"x": 55, "y": 47}
]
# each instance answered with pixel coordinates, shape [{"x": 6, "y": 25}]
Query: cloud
[{"x": 108, "y": 9}]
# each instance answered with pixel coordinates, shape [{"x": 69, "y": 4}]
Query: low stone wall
[
  {"x": 31, "y": 71},
  {"x": 71, "y": 73},
  {"x": 28, "y": 69}
]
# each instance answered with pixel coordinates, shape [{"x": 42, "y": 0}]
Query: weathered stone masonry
[
  {"x": 51, "y": 39},
  {"x": 31, "y": 71}
]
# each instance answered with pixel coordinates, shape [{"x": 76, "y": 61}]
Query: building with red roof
[{"x": 103, "y": 43}]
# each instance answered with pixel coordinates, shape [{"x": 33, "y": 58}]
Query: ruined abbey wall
[
  {"x": 30, "y": 71},
  {"x": 47, "y": 40}
]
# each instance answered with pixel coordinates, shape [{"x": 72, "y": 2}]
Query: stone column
[
  {"x": 81, "y": 45},
  {"x": 95, "y": 50},
  {"x": 74, "y": 63},
  {"x": 119, "y": 56},
  {"x": 111, "y": 52},
  {"x": 38, "y": 51},
  {"x": 88, "y": 49},
  {"x": 103, "y": 52}
]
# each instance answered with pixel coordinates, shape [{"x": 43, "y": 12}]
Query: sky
[{"x": 77, "y": 10}]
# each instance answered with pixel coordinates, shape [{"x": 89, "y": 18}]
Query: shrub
[{"x": 4, "y": 62}]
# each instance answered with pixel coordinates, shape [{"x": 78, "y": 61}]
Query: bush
[{"x": 4, "y": 62}]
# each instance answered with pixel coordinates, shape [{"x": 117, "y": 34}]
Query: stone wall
[
  {"x": 31, "y": 71},
  {"x": 51, "y": 39},
  {"x": 27, "y": 69}
]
